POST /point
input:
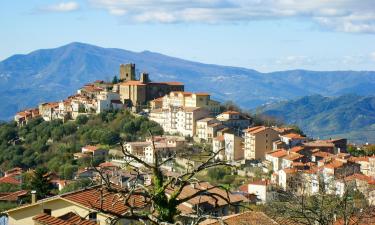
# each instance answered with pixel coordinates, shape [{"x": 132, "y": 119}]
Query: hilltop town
[{"x": 264, "y": 158}]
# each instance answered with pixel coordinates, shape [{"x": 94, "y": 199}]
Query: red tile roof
[
  {"x": 75, "y": 219},
  {"x": 67, "y": 219},
  {"x": 254, "y": 130},
  {"x": 14, "y": 196},
  {"x": 9, "y": 180},
  {"x": 293, "y": 136},
  {"x": 132, "y": 82},
  {"x": 278, "y": 153},
  {"x": 46, "y": 219},
  {"x": 334, "y": 164},
  {"x": 111, "y": 202},
  {"x": 219, "y": 138},
  {"x": 217, "y": 201},
  {"x": 297, "y": 149},
  {"x": 231, "y": 112},
  {"x": 248, "y": 218}
]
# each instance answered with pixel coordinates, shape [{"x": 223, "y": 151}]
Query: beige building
[
  {"x": 83, "y": 203},
  {"x": 136, "y": 93},
  {"x": 259, "y": 141},
  {"x": 234, "y": 119},
  {"x": 49, "y": 111},
  {"x": 188, "y": 99},
  {"x": 207, "y": 128},
  {"x": 23, "y": 117},
  {"x": 275, "y": 157},
  {"x": 233, "y": 147}
]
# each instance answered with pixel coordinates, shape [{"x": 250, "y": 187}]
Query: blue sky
[{"x": 266, "y": 35}]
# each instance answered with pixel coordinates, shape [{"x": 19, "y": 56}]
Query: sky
[{"x": 266, "y": 35}]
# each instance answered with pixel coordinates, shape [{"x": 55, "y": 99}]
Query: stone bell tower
[{"x": 127, "y": 72}]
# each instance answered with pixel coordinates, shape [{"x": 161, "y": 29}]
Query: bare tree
[
  {"x": 324, "y": 207},
  {"x": 160, "y": 200}
]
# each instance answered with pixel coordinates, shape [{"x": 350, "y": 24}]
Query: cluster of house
[
  {"x": 312, "y": 167},
  {"x": 101, "y": 96},
  {"x": 88, "y": 206}
]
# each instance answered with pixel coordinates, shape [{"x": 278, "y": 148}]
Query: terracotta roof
[
  {"x": 260, "y": 182},
  {"x": 358, "y": 176},
  {"x": 293, "y": 136},
  {"x": 334, "y": 164},
  {"x": 254, "y": 130},
  {"x": 293, "y": 156},
  {"x": 231, "y": 112},
  {"x": 13, "y": 196},
  {"x": 278, "y": 153},
  {"x": 111, "y": 202},
  {"x": 202, "y": 93},
  {"x": 217, "y": 201},
  {"x": 360, "y": 159},
  {"x": 132, "y": 82},
  {"x": 322, "y": 154},
  {"x": 366, "y": 220},
  {"x": 9, "y": 180},
  {"x": 75, "y": 219},
  {"x": 46, "y": 219},
  {"x": 297, "y": 149},
  {"x": 107, "y": 164},
  {"x": 66, "y": 219},
  {"x": 290, "y": 170},
  {"x": 248, "y": 218},
  {"x": 219, "y": 138},
  {"x": 90, "y": 148}
]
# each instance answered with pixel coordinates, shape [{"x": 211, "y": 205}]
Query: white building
[
  {"x": 108, "y": 100},
  {"x": 179, "y": 120}
]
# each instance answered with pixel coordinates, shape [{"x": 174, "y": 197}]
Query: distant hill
[
  {"x": 349, "y": 116},
  {"x": 53, "y": 74}
]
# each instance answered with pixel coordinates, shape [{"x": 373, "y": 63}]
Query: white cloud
[
  {"x": 62, "y": 7},
  {"x": 372, "y": 55},
  {"x": 341, "y": 15},
  {"x": 295, "y": 61}
]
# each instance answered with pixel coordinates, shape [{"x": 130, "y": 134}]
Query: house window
[
  {"x": 47, "y": 211},
  {"x": 92, "y": 216}
]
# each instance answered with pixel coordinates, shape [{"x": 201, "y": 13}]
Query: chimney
[{"x": 33, "y": 197}]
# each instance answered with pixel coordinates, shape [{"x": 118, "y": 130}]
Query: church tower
[{"x": 127, "y": 72}]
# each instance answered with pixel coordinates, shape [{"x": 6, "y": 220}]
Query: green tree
[
  {"x": 115, "y": 80},
  {"x": 41, "y": 183},
  {"x": 82, "y": 119}
]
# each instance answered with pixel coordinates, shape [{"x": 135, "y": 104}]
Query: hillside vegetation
[
  {"x": 52, "y": 144},
  {"x": 348, "y": 116}
]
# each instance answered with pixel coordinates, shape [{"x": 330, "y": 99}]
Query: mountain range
[
  {"x": 53, "y": 74},
  {"x": 349, "y": 116}
]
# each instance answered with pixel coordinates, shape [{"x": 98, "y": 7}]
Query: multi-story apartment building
[
  {"x": 179, "y": 120},
  {"x": 234, "y": 120},
  {"x": 207, "y": 128},
  {"x": 258, "y": 141},
  {"x": 233, "y": 147},
  {"x": 188, "y": 99}
]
